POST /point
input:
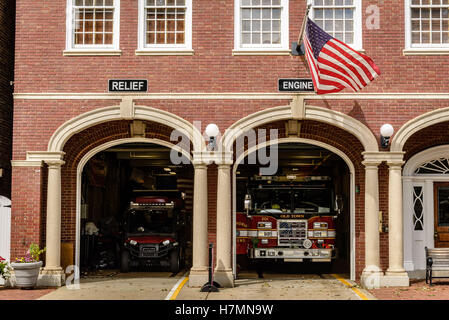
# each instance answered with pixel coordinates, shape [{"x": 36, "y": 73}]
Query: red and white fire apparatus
[{"x": 289, "y": 218}]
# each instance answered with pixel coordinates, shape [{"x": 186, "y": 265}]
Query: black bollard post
[{"x": 211, "y": 285}]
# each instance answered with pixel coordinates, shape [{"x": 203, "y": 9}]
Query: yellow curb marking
[
  {"x": 177, "y": 288},
  {"x": 357, "y": 292}
]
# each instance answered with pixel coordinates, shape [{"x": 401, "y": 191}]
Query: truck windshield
[
  {"x": 273, "y": 199},
  {"x": 312, "y": 200},
  {"x": 307, "y": 200},
  {"x": 150, "y": 221}
]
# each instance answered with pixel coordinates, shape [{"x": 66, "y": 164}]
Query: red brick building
[
  {"x": 219, "y": 62},
  {"x": 6, "y": 89}
]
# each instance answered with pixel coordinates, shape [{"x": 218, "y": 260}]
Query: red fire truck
[{"x": 289, "y": 218}]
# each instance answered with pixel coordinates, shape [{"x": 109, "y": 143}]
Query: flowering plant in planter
[
  {"x": 32, "y": 254},
  {"x": 4, "y": 269},
  {"x": 27, "y": 268}
]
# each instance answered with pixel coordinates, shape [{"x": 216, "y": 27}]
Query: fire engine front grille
[
  {"x": 292, "y": 232},
  {"x": 285, "y": 233}
]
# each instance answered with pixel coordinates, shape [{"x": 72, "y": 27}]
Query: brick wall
[
  {"x": 41, "y": 67},
  {"x": 26, "y": 218},
  {"x": 6, "y": 102}
]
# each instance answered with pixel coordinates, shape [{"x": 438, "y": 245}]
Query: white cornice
[
  {"x": 26, "y": 163},
  {"x": 47, "y": 156},
  {"x": 231, "y": 96}
]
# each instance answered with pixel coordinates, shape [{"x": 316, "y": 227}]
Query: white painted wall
[{"x": 5, "y": 229}]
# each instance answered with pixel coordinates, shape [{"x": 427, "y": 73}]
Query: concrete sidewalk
[
  {"x": 281, "y": 287},
  {"x": 160, "y": 286},
  {"x": 119, "y": 286}
]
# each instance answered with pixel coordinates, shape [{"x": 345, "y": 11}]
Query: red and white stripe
[{"x": 338, "y": 66}]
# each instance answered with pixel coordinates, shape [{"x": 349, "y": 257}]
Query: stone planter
[{"x": 26, "y": 273}]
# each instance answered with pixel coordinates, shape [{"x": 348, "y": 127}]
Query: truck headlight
[
  {"x": 320, "y": 225},
  {"x": 264, "y": 225},
  {"x": 166, "y": 242},
  {"x": 265, "y": 234},
  {"x": 133, "y": 242}
]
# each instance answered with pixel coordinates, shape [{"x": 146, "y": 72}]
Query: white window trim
[
  {"x": 358, "y": 32},
  {"x": 419, "y": 49},
  {"x": 109, "y": 50},
  {"x": 281, "y": 49},
  {"x": 164, "y": 49}
]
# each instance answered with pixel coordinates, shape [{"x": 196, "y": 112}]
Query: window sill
[
  {"x": 261, "y": 52},
  {"x": 165, "y": 52},
  {"x": 92, "y": 52},
  {"x": 426, "y": 52}
]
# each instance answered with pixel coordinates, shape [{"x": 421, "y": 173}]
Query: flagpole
[{"x": 303, "y": 27}]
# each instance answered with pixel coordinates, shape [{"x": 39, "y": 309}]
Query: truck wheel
[
  {"x": 174, "y": 261},
  {"x": 124, "y": 265}
]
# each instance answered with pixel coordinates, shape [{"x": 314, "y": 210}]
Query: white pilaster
[
  {"x": 395, "y": 275},
  {"x": 223, "y": 271},
  {"x": 372, "y": 273},
  {"x": 52, "y": 274},
  {"x": 199, "y": 271}
]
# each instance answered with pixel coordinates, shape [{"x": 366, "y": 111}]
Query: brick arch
[
  {"x": 417, "y": 126},
  {"x": 428, "y": 137},
  {"x": 339, "y": 120},
  {"x": 78, "y": 146},
  {"x": 352, "y": 148},
  {"x": 126, "y": 110}
]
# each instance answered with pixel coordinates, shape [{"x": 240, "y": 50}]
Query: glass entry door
[{"x": 441, "y": 198}]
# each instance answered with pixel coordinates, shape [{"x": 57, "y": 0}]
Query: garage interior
[
  {"x": 110, "y": 181},
  {"x": 297, "y": 163}
]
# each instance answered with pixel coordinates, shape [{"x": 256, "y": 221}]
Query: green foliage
[{"x": 32, "y": 255}]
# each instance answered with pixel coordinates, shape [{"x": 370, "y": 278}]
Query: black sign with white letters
[
  {"x": 296, "y": 85},
  {"x": 128, "y": 85}
]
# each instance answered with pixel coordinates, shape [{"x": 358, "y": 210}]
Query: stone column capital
[
  {"x": 371, "y": 164},
  {"x": 392, "y": 163},
  {"x": 54, "y": 164},
  {"x": 217, "y": 157},
  {"x": 224, "y": 166},
  {"x": 199, "y": 165}
]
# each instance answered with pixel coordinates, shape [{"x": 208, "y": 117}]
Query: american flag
[{"x": 333, "y": 64}]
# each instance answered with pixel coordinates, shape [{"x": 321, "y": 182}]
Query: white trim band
[{"x": 230, "y": 96}]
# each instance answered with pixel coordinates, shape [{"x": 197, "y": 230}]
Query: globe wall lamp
[
  {"x": 386, "y": 131},
  {"x": 212, "y": 132}
]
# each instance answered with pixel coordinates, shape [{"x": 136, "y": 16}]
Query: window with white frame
[
  {"x": 92, "y": 25},
  {"x": 428, "y": 25},
  {"x": 261, "y": 25},
  {"x": 339, "y": 18},
  {"x": 165, "y": 25}
]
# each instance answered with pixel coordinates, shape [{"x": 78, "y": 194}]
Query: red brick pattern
[
  {"x": 43, "y": 68},
  {"x": 6, "y": 89},
  {"x": 26, "y": 218}
]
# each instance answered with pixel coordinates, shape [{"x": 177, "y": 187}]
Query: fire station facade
[{"x": 219, "y": 62}]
